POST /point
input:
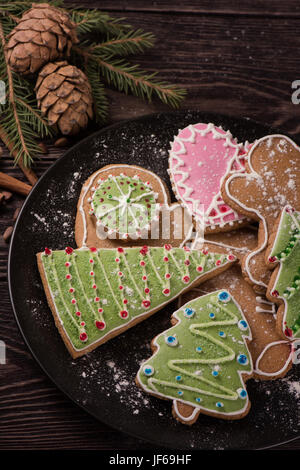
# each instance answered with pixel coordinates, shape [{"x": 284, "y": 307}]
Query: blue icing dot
[
  {"x": 222, "y": 334},
  {"x": 215, "y": 373},
  {"x": 243, "y": 325},
  {"x": 242, "y": 359},
  {"x": 242, "y": 393},
  {"x": 189, "y": 312},
  {"x": 224, "y": 296},
  {"x": 212, "y": 315},
  {"x": 180, "y": 393},
  {"x": 171, "y": 340},
  {"x": 219, "y": 404},
  {"x": 198, "y": 399},
  {"x": 178, "y": 378},
  {"x": 148, "y": 370},
  {"x": 198, "y": 349}
]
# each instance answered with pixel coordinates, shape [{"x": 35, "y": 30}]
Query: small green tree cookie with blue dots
[{"x": 202, "y": 362}]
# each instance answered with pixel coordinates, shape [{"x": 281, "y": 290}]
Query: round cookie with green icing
[
  {"x": 125, "y": 205},
  {"x": 284, "y": 286},
  {"x": 202, "y": 362}
]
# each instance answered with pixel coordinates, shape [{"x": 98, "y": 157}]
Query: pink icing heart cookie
[{"x": 201, "y": 156}]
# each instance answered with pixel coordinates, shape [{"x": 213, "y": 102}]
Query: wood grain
[{"x": 236, "y": 58}]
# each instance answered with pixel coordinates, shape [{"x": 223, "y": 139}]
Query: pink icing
[{"x": 199, "y": 161}]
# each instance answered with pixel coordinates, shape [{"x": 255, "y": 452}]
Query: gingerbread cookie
[
  {"x": 201, "y": 156},
  {"x": 272, "y": 180},
  {"x": 202, "y": 362},
  {"x": 127, "y": 194},
  {"x": 283, "y": 253},
  {"x": 96, "y": 294}
]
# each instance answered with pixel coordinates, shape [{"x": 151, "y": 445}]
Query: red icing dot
[
  {"x": 82, "y": 323},
  {"x": 186, "y": 279},
  {"x": 78, "y": 314},
  {"x": 97, "y": 299},
  {"x": 166, "y": 259},
  {"x": 68, "y": 276},
  {"x": 187, "y": 262},
  {"x": 167, "y": 276},
  {"x": 71, "y": 290},
  {"x": 117, "y": 260},
  {"x": 218, "y": 262},
  {"x": 48, "y": 251},
  {"x": 125, "y": 301},
  {"x": 93, "y": 249},
  {"x": 92, "y": 273},
  {"x": 120, "y": 273},
  {"x": 147, "y": 290},
  {"x": 142, "y": 263},
  {"x": 146, "y": 303},
  {"x": 205, "y": 251},
  {"x": 288, "y": 332},
  {"x": 100, "y": 310},
  {"x": 120, "y": 250},
  {"x": 199, "y": 269},
  {"x": 289, "y": 210},
  {"x": 272, "y": 259},
  {"x": 121, "y": 287},
  {"x": 73, "y": 301},
  {"x": 83, "y": 336},
  {"x": 69, "y": 250},
  {"x": 100, "y": 325},
  {"x": 168, "y": 247},
  {"x": 67, "y": 264},
  {"x": 94, "y": 286},
  {"x": 166, "y": 291},
  {"x": 144, "y": 250},
  {"x": 275, "y": 293},
  {"x": 231, "y": 257},
  {"x": 123, "y": 314}
]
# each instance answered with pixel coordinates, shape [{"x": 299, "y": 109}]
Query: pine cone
[
  {"x": 64, "y": 96},
  {"x": 44, "y": 34}
]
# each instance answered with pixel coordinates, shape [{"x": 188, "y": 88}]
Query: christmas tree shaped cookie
[
  {"x": 284, "y": 286},
  {"x": 95, "y": 294},
  {"x": 202, "y": 362}
]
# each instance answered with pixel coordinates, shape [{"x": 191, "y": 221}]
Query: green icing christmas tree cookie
[
  {"x": 124, "y": 205},
  {"x": 95, "y": 294},
  {"x": 284, "y": 286},
  {"x": 203, "y": 361}
]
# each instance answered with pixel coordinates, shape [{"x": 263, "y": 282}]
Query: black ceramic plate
[{"x": 103, "y": 381}]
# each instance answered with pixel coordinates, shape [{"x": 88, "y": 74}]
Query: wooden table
[{"x": 236, "y": 58}]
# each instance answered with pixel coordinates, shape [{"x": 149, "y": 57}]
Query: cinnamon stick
[{"x": 14, "y": 185}]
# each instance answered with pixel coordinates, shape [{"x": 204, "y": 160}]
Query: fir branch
[
  {"x": 130, "y": 42},
  {"x": 98, "y": 91},
  {"x": 95, "y": 21},
  {"x": 20, "y": 123},
  {"x": 126, "y": 77}
]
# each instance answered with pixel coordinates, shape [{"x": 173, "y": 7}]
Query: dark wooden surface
[{"x": 234, "y": 57}]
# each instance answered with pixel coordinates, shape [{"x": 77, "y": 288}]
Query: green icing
[
  {"x": 208, "y": 377},
  {"x": 123, "y": 204},
  {"x": 111, "y": 287},
  {"x": 286, "y": 249}
]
